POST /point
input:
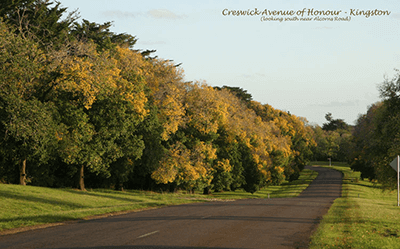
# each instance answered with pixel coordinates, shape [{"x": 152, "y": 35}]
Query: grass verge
[
  {"x": 28, "y": 206},
  {"x": 364, "y": 217}
]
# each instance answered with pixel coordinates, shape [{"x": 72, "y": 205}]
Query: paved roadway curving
[{"x": 252, "y": 223}]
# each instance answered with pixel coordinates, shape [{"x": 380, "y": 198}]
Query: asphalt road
[{"x": 252, "y": 223}]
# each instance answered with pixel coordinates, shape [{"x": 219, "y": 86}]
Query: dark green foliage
[
  {"x": 334, "y": 124},
  {"x": 334, "y": 140},
  {"x": 76, "y": 107},
  {"x": 9, "y": 168},
  {"x": 376, "y": 136},
  {"x": 366, "y": 169},
  {"x": 221, "y": 181},
  {"x": 39, "y": 19},
  {"x": 228, "y": 150},
  {"x": 101, "y": 35},
  {"x": 252, "y": 176},
  {"x": 150, "y": 129},
  {"x": 239, "y": 92},
  {"x": 27, "y": 125},
  {"x": 294, "y": 176}
]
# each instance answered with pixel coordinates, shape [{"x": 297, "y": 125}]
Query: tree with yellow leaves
[
  {"x": 298, "y": 134},
  {"x": 123, "y": 116},
  {"x": 100, "y": 108}
]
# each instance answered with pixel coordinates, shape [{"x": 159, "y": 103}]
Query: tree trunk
[
  {"x": 81, "y": 179},
  {"x": 22, "y": 173},
  {"x": 119, "y": 185},
  {"x": 206, "y": 191}
]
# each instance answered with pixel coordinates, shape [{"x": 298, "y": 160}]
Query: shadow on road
[
  {"x": 211, "y": 218},
  {"x": 145, "y": 247}
]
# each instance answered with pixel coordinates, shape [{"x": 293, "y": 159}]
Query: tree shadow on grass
[
  {"x": 63, "y": 203},
  {"x": 365, "y": 185},
  {"x": 70, "y": 215},
  {"x": 48, "y": 200},
  {"x": 38, "y": 219},
  {"x": 99, "y": 194}
]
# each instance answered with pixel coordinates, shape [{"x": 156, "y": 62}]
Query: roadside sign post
[{"x": 395, "y": 164}]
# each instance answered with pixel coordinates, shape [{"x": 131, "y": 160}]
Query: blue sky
[{"x": 309, "y": 68}]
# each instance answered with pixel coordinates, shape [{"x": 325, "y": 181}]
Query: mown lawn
[
  {"x": 364, "y": 217},
  {"x": 25, "y": 206}
]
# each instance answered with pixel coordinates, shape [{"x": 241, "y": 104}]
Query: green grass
[
  {"x": 364, "y": 217},
  {"x": 26, "y": 206},
  {"x": 23, "y": 206}
]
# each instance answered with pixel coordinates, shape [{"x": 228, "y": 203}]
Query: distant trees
[
  {"x": 333, "y": 140},
  {"x": 334, "y": 124},
  {"x": 80, "y": 107}
]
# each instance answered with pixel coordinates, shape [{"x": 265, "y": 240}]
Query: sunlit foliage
[{"x": 90, "y": 108}]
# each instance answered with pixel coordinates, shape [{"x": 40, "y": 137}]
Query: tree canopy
[
  {"x": 376, "y": 135},
  {"x": 80, "y": 106}
]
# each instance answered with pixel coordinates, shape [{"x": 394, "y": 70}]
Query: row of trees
[
  {"x": 79, "y": 105},
  {"x": 377, "y": 134},
  {"x": 372, "y": 144}
]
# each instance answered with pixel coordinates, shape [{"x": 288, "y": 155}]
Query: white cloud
[
  {"x": 164, "y": 14},
  {"x": 120, "y": 14}
]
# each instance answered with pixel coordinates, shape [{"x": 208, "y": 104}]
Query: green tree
[
  {"x": 100, "y": 108},
  {"x": 377, "y": 134},
  {"x": 335, "y": 124},
  {"x": 333, "y": 140},
  {"x": 151, "y": 130},
  {"x": 27, "y": 124},
  {"x": 387, "y": 130},
  {"x": 242, "y": 94},
  {"x": 364, "y": 144},
  {"x": 29, "y": 131},
  {"x": 228, "y": 149},
  {"x": 252, "y": 175},
  {"x": 41, "y": 20},
  {"x": 101, "y": 35}
]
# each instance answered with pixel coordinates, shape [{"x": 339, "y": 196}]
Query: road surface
[{"x": 252, "y": 223}]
